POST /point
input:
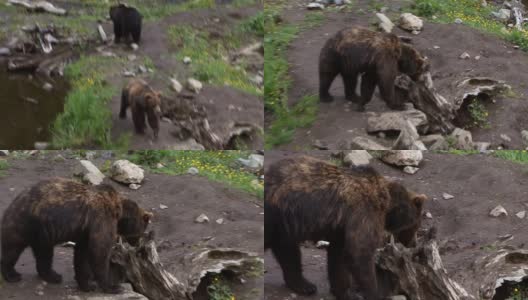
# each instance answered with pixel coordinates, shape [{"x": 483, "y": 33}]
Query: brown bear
[
  {"x": 127, "y": 22},
  {"x": 380, "y": 57},
  {"x": 143, "y": 100},
  {"x": 307, "y": 199},
  {"x": 58, "y": 210}
]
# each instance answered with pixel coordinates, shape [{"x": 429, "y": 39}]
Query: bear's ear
[
  {"x": 147, "y": 216},
  {"x": 418, "y": 200}
]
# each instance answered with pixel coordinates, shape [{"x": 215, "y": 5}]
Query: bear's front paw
[
  {"x": 326, "y": 98},
  {"x": 52, "y": 277},
  {"x": 87, "y": 286},
  {"x": 303, "y": 287},
  {"x": 12, "y": 276},
  {"x": 113, "y": 289}
]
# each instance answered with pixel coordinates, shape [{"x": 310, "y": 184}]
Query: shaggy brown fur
[
  {"x": 310, "y": 199},
  {"x": 143, "y": 100},
  {"x": 58, "y": 210},
  {"x": 380, "y": 57}
]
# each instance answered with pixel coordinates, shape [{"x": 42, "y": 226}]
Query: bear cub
[
  {"x": 143, "y": 101},
  {"x": 59, "y": 210}
]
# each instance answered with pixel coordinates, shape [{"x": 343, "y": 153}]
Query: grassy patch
[
  {"x": 210, "y": 55},
  {"x": 277, "y": 83},
  {"x": 473, "y": 14},
  {"x": 219, "y": 289},
  {"x": 4, "y": 165},
  {"x": 479, "y": 114},
  {"x": 215, "y": 165},
  {"x": 86, "y": 119},
  {"x": 518, "y": 156}
]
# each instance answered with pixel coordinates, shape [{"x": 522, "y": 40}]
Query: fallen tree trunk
[
  {"x": 417, "y": 273},
  {"x": 517, "y": 15},
  {"x": 41, "y": 63},
  {"x": 39, "y": 6},
  {"x": 141, "y": 266}
]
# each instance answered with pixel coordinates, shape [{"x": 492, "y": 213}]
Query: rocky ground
[
  {"x": 176, "y": 202},
  {"x": 462, "y": 191},
  {"x": 337, "y": 123}
]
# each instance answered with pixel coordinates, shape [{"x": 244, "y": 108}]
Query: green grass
[
  {"x": 219, "y": 289},
  {"x": 479, "y": 114},
  {"x": 218, "y": 166},
  {"x": 4, "y": 165},
  {"x": 473, "y": 14},
  {"x": 209, "y": 63},
  {"x": 86, "y": 119},
  {"x": 518, "y": 156},
  {"x": 286, "y": 119}
]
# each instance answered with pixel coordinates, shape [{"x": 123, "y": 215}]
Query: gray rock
[
  {"x": 395, "y": 120},
  {"x": 315, "y": 6},
  {"x": 47, "y": 86},
  {"x": 134, "y": 46},
  {"x": 431, "y": 139},
  {"x": 498, "y": 212},
  {"x": 192, "y": 171},
  {"x": 385, "y": 23},
  {"x": 142, "y": 69},
  {"x": 5, "y": 51},
  {"x": 458, "y": 21},
  {"x": 482, "y": 147},
  {"x": 129, "y": 74},
  {"x": 521, "y": 214},
  {"x": 402, "y": 157},
  {"x": 194, "y": 85},
  {"x": 176, "y": 85},
  {"x": 399, "y": 297},
  {"x": 428, "y": 215},
  {"x": 4, "y": 152},
  {"x": 89, "y": 173},
  {"x": 465, "y": 55},
  {"x": 410, "y": 170},
  {"x": 410, "y": 22},
  {"x": 505, "y": 137},
  {"x": 188, "y": 144},
  {"x": 322, "y": 244},
  {"x": 364, "y": 143},
  {"x": 524, "y": 135},
  {"x": 220, "y": 221},
  {"x": 254, "y": 161},
  {"x": 41, "y": 145},
  {"x": 132, "y": 57},
  {"x": 202, "y": 219},
  {"x": 320, "y": 145},
  {"x": 407, "y": 138},
  {"x": 357, "y": 158},
  {"x": 503, "y": 14},
  {"x": 134, "y": 186},
  {"x": 463, "y": 139},
  {"x": 126, "y": 172},
  {"x": 447, "y": 196},
  {"x": 187, "y": 60},
  {"x": 163, "y": 206}
]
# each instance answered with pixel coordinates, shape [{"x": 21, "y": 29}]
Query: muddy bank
[
  {"x": 465, "y": 230},
  {"x": 29, "y": 106},
  {"x": 177, "y": 233}
]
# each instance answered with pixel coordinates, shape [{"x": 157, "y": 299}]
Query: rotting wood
[
  {"x": 142, "y": 267},
  {"x": 39, "y": 6}
]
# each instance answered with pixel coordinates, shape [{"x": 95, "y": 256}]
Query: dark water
[{"x": 27, "y": 109}]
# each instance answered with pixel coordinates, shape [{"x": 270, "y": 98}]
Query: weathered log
[
  {"x": 142, "y": 267},
  {"x": 517, "y": 15},
  {"x": 438, "y": 110},
  {"x": 417, "y": 273},
  {"x": 41, "y": 63},
  {"x": 39, "y": 6}
]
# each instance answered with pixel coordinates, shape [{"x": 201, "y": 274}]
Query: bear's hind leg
[
  {"x": 288, "y": 255},
  {"x": 335, "y": 268},
  {"x": 325, "y": 81},
  {"x": 124, "y": 104},
  {"x": 44, "y": 256},
  {"x": 83, "y": 272},
  {"x": 368, "y": 85},
  {"x": 153, "y": 120},
  {"x": 350, "y": 83},
  {"x": 138, "y": 117},
  {"x": 11, "y": 250},
  {"x": 100, "y": 245},
  {"x": 117, "y": 32}
]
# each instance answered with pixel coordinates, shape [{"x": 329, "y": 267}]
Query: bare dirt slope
[
  {"x": 217, "y": 100},
  {"x": 478, "y": 183},
  {"x": 336, "y": 124},
  {"x": 176, "y": 232}
]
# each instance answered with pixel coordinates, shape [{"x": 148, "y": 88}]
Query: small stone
[
  {"x": 505, "y": 137},
  {"x": 72, "y": 297},
  {"x": 163, "y": 206},
  {"x": 192, "y": 171},
  {"x": 357, "y": 158},
  {"x": 187, "y": 60},
  {"x": 498, "y": 211},
  {"x": 410, "y": 170},
  {"x": 41, "y": 145},
  {"x": 458, "y": 21},
  {"x": 428, "y": 215},
  {"x": 5, "y": 52},
  {"x": 4, "y": 152},
  {"x": 436, "y": 47},
  {"x": 176, "y": 85},
  {"x": 134, "y": 46},
  {"x": 521, "y": 214},
  {"x": 398, "y": 297},
  {"x": 39, "y": 293},
  {"x": 142, "y": 69},
  {"x": 129, "y": 74},
  {"x": 47, "y": 86},
  {"x": 385, "y": 23},
  {"x": 447, "y": 196},
  {"x": 315, "y": 6},
  {"x": 465, "y": 55},
  {"x": 131, "y": 57},
  {"x": 126, "y": 172},
  {"x": 322, "y": 244},
  {"x": 320, "y": 145},
  {"x": 160, "y": 166},
  {"x": 516, "y": 47},
  {"x": 482, "y": 147},
  {"x": 220, "y": 221},
  {"x": 134, "y": 186},
  {"x": 194, "y": 85},
  {"x": 410, "y": 22},
  {"x": 202, "y": 219},
  {"x": 89, "y": 172},
  {"x": 477, "y": 57},
  {"x": 402, "y": 157},
  {"x": 166, "y": 120}
]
